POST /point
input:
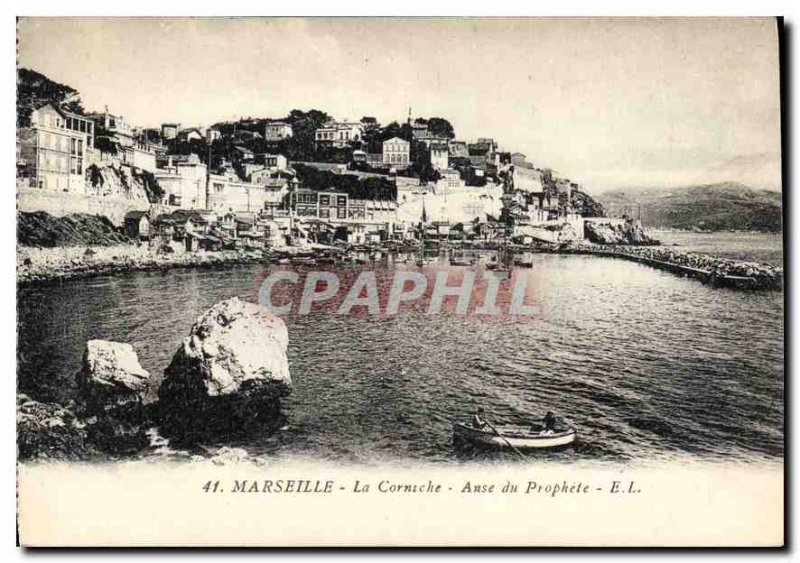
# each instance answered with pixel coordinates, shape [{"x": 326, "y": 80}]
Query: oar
[{"x": 519, "y": 453}]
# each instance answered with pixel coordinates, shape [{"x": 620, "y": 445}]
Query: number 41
[{"x": 211, "y": 486}]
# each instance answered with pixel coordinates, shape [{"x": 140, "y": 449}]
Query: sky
[{"x": 608, "y": 103}]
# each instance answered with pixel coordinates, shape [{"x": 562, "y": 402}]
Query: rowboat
[
  {"x": 519, "y": 437},
  {"x": 496, "y": 267}
]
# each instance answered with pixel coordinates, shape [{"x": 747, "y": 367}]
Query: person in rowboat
[
  {"x": 478, "y": 420},
  {"x": 549, "y": 422}
]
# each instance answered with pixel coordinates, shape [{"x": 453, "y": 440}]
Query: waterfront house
[
  {"x": 396, "y": 152},
  {"x": 277, "y": 131},
  {"x": 56, "y": 149},
  {"x": 137, "y": 225},
  {"x": 226, "y": 192},
  {"x": 183, "y": 179}
]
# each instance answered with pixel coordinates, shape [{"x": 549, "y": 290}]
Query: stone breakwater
[
  {"x": 708, "y": 269},
  {"x": 226, "y": 378},
  {"x": 63, "y": 263}
]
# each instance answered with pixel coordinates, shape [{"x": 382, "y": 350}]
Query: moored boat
[
  {"x": 461, "y": 262},
  {"x": 519, "y": 437}
]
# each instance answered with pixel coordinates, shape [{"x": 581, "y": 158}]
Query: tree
[
  {"x": 440, "y": 127},
  {"x": 35, "y": 89}
]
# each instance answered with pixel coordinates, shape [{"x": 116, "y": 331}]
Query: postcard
[{"x": 455, "y": 282}]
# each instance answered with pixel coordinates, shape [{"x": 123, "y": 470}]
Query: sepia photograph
[{"x": 400, "y": 282}]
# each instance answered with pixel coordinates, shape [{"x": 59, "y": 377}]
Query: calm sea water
[
  {"x": 758, "y": 247},
  {"x": 644, "y": 364}
]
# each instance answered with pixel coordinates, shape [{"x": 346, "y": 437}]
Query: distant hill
[{"x": 713, "y": 207}]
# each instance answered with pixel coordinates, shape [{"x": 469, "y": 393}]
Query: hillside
[
  {"x": 712, "y": 207},
  {"x": 35, "y": 89}
]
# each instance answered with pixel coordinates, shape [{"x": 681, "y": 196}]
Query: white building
[
  {"x": 183, "y": 180},
  {"x": 274, "y": 161},
  {"x": 56, "y": 148},
  {"x": 227, "y": 193},
  {"x": 440, "y": 155},
  {"x": 277, "y": 130},
  {"x": 339, "y": 134},
  {"x": 396, "y": 152}
]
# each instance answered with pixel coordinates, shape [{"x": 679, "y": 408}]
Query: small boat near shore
[
  {"x": 512, "y": 436},
  {"x": 461, "y": 262},
  {"x": 496, "y": 267}
]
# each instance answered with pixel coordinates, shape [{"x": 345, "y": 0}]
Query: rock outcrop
[
  {"x": 111, "y": 374},
  {"x": 113, "y": 385},
  {"x": 228, "y": 374},
  {"x": 612, "y": 232},
  {"x": 49, "y": 431}
]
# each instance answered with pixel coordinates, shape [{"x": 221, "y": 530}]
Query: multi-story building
[
  {"x": 458, "y": 149},
  {"x": 480, "y": 154},
  {"x": 370, "y": 123},
  {"x": 354, "y": 220},
  {"x": 439, "y": 155},
  {"x": 277, "y": 131},
  {"x": 275, "y": 161},
  {"x": 423, "y": 134},
  {"x": 140, "y": 155},
  {"x": 116, "y": 129},
  {"x": 170, "y": 130},
  {"x": 449, "y": 179},
  {"x": 55, "y": 150},
  {"x": 339, "y": 134},
  {"x": 227, "y": 193},
  {"x": 396, "y": 152},
  {"x": 419, "y": 130},
  {"x": 184, "y": 182}
]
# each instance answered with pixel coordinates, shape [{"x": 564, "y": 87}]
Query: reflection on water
[{"x": 644, "y": 364}]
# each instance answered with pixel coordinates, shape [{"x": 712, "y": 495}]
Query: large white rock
[
  {"x": 235, "y": 346},
  {"x": 112, "y": 368}
]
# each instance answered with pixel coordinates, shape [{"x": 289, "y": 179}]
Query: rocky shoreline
[
  {"x": 226, "y": 378},
  {"x": 44, "y": 265}
]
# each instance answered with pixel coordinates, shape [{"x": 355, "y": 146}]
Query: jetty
[{"x": 762, "y": 276}]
